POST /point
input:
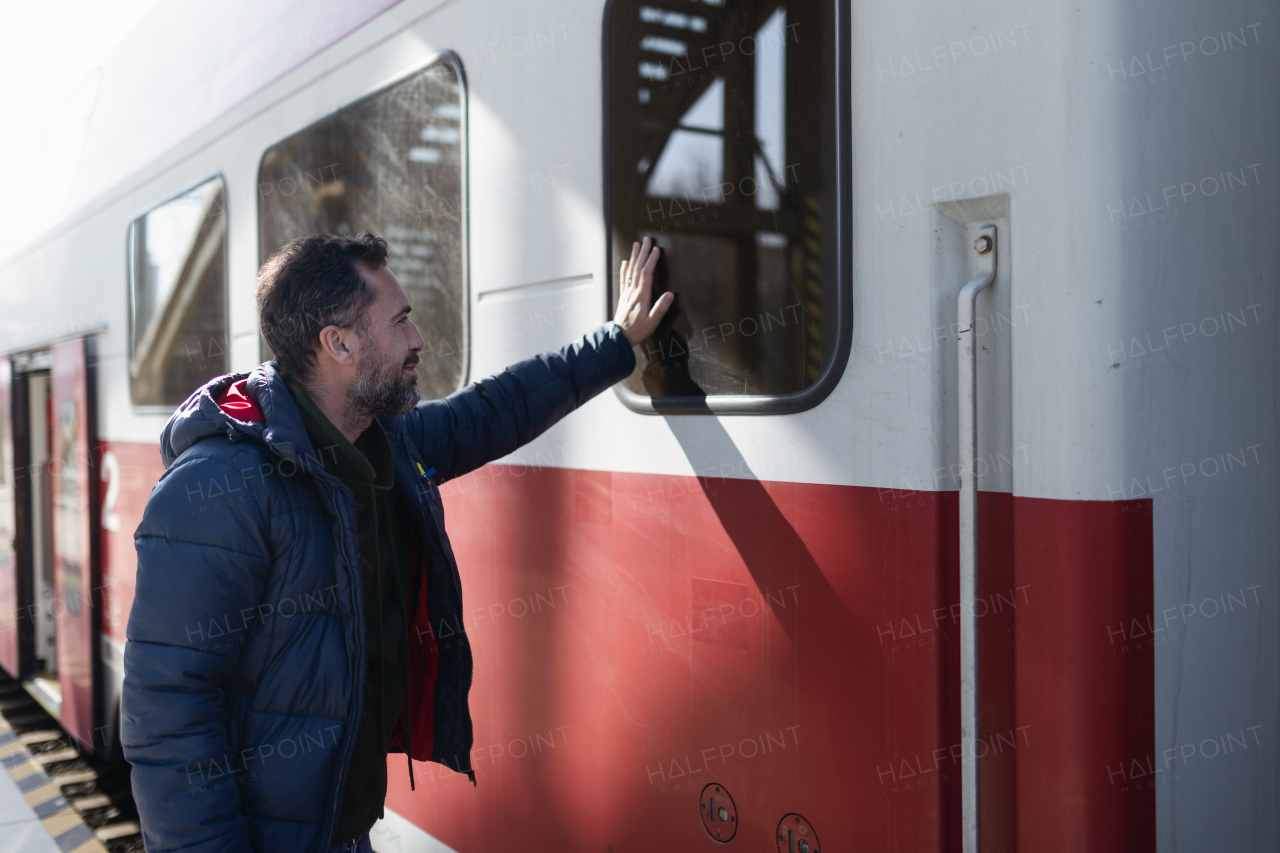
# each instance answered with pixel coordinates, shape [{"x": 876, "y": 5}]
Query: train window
[
  {"x": 393, "y": 164},
  {"x": 725, "y": 134},
  {"x": 178, "y": 296}
]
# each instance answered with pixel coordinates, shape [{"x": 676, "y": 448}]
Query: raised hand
[{"x": 634, "y": 314}]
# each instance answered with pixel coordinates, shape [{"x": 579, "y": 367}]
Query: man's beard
[{"x": 380, "y": 388}]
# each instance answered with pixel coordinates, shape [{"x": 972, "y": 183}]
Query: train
[{"x": 941, "y": 513}]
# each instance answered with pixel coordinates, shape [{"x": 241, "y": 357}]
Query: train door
[
  {"x": 51, "y": 563},
  {"x": 74, "y": 576},
  {"x": 9, "y": 628},
  {"x": 39, "y": 604}
]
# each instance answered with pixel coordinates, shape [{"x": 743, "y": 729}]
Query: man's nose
[{"x": 415, "y": 340}]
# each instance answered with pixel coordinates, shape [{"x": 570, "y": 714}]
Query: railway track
[{"x": 96, "y": 790}]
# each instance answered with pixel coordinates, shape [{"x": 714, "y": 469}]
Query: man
[{"x": 295, "y": 587}]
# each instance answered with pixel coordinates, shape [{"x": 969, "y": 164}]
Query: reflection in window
[
  {"x": 391, "y": 164},
  {"x": 178, "y": 294},
  {"x": 722, "y": 148}
]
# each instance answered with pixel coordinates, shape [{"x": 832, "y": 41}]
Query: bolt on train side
[{"x": 940, "y": 514}]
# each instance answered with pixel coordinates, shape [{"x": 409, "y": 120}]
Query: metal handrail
[{"x": 985, "y": 246}]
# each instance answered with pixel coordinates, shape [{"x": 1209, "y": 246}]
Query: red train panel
[
  {"x": 640, "y": 636},
  {"x": 74, "y": 528},
  {"x": 130, "y": 470}
]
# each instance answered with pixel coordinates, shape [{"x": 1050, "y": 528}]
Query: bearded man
[{"x": 298, "y": 604}]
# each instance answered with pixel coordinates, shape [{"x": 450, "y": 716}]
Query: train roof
[{"x": 160, "y": 87}]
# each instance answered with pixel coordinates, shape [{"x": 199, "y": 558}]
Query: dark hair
[{"x": 310, "y": 283}]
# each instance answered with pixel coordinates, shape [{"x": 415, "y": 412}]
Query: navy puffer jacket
[{"x": 245, "y": 661}]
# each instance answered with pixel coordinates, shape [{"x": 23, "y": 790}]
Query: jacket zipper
[
  {"x": 348, "y": 733},
  {"x": 462, "y": 629}
]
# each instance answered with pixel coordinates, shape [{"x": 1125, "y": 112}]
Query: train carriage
[{"x": 943, "y": 509}]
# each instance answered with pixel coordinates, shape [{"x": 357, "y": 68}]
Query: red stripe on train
[
  {"x": 639, "y": 636},
  {"x": 796, "y": 644}
]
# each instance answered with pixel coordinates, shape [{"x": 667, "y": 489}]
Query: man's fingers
[
  {"x": 642, "y": 259},
  {"x": 637, "y": 284},
  {"x": 646, "y": 275},
  {"x": 635, "y": 256},
  {"x": 661, "y": 305},
  {"x": 652, "y": 260}
]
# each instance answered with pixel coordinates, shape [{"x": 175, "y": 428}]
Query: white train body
[{"x": 1127, "y": 417}]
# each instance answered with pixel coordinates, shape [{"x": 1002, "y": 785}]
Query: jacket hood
[{"x": 276, "y": 422}]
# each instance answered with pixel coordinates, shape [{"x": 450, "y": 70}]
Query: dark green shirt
[{"x": 367, "y": 468}]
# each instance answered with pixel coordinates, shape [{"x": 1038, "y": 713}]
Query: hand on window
[{"x": 634, "y": 315}]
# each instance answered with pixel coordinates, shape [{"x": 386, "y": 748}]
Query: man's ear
[{"x": 338, "y": 345}]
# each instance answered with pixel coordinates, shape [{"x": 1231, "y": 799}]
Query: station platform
[
  {"x": 34, "y": 815},
  {"x": 21, "y": 830}
]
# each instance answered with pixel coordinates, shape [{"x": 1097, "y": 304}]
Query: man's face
[{"x": 386, "y": 380}]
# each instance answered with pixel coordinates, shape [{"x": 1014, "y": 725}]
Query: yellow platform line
[{"x": 69, "y": 832}]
